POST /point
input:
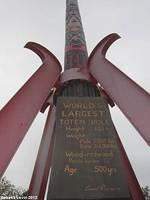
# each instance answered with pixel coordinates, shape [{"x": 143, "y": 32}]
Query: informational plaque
[{"x": 86, "y": 159}]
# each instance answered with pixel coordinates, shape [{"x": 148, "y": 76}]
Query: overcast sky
[{"x": 43, "y": 21}]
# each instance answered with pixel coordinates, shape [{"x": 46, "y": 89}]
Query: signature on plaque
[{"x": 102, "y": 188}]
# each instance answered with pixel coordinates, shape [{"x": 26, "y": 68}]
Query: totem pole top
[{"x": 75, "y": 49}]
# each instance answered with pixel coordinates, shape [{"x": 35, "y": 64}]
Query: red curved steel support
[
  {"x": 18, "y": 114},
  {"x": 132, "y": 100},
  {"x": 134, "y": 187},
  {"x": 44, "y": 158}
]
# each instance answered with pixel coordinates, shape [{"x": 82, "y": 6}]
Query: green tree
[
  {"x": 146, "y": 191},
  {"x": 7, "y": 189}
]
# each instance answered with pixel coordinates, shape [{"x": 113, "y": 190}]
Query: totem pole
[{"x": 79, "y": 144}]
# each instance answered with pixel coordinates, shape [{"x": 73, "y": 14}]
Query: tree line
[{"x": 7, "y": 189}]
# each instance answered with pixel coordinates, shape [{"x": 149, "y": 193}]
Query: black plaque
[{"x": 86, "y": 160}]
